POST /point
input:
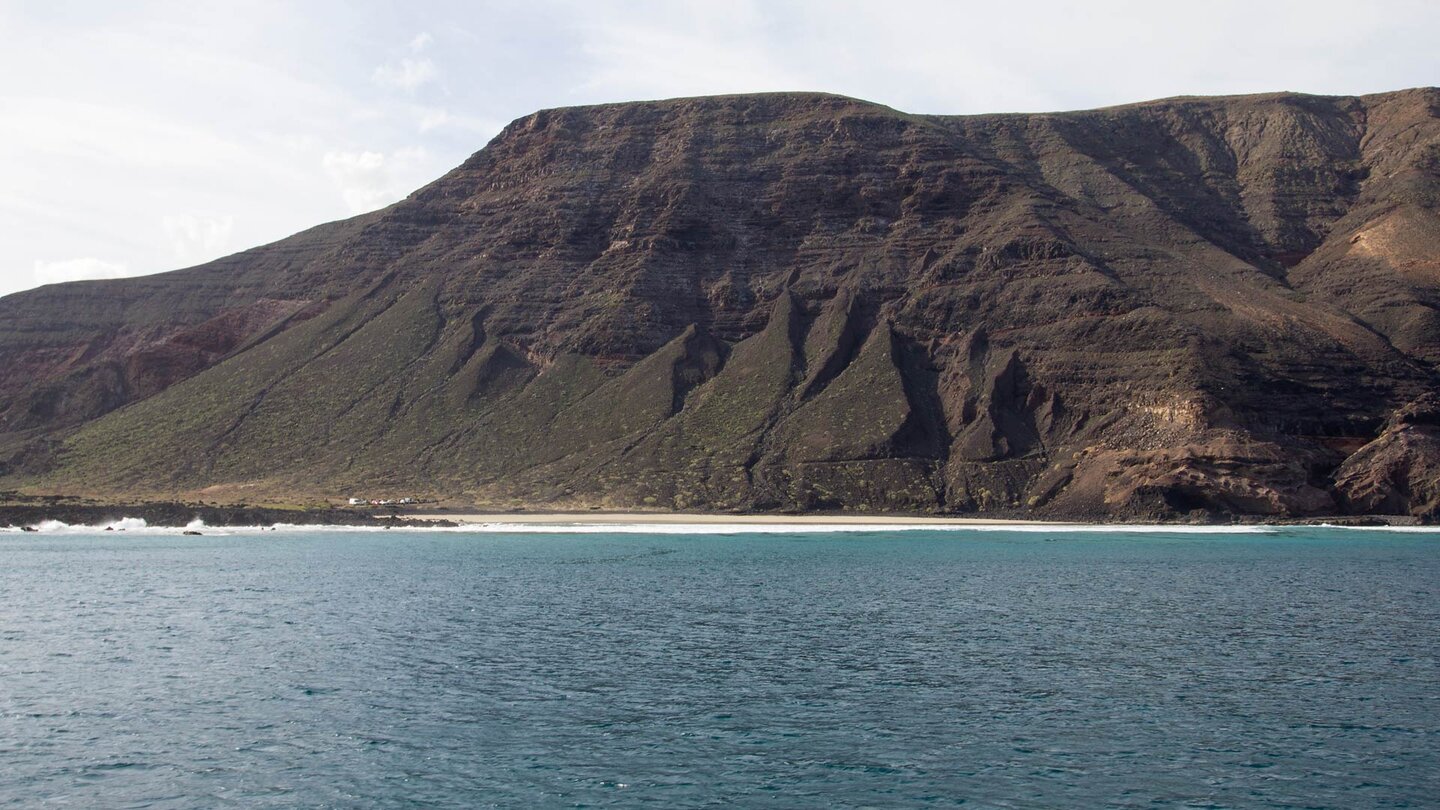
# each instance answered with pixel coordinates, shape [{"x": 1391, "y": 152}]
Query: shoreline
[
  {"x": 176, "y": 514},
  {"x": 714, "y": 519},
  {"x": 678, "y": 525}
]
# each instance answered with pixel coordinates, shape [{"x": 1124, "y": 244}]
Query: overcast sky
[{"x": 142, "y": 136}]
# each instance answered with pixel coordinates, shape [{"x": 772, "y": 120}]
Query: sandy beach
[{"x": 673, "y": 518}]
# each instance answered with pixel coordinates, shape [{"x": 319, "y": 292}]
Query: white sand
[{"x": 669, "y": 518}]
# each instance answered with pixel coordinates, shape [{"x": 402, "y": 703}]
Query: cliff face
[{"x": 1226, "y": 305}]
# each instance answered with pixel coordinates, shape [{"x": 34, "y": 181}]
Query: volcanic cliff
[{"x": 1188, "y": 307}]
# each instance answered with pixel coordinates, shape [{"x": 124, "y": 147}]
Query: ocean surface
[{"x": 1292, "y": 667}]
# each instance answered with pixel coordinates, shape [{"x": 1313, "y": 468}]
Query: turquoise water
[{"x": 991, "y": 669}]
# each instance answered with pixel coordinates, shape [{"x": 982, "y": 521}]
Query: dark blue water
[{"x": 389, "y": 669}]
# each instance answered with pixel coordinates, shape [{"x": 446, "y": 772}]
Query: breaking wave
[{"x": 124, "y": 524}]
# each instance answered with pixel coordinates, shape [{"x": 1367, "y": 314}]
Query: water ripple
[{"x": 1296, "y": 668}]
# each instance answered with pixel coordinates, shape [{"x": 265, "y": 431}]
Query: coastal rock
[
  {"x": 1224, "y": 476},
  {"x": 1399, "y": 472}
]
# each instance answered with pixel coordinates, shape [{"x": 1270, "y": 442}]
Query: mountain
[{"x": 1181, "y": 308}]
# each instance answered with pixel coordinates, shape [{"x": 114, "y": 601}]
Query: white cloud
[
  {"x": 645, "y": 61},
  {"x": 361, "y": 178},
  {"x": 409, "y": 73},
  {"x": 475, "y": 130},
  {"x": 196, "y": 238},
  {"x": 433, "y": 119},
  {"x": 406, "y": 74},
  {"x": 368, "y": 180},
  {"x": 77, "y": 270}
]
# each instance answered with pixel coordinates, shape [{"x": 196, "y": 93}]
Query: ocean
[{"x": 687, "y": 667}]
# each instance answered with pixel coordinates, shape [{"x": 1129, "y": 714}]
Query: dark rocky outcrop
[
  {"x": 1399, "y": 472},
  {"x": 1194, "y": 307}
]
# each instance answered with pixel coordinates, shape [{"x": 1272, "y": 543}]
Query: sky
[{"x": 151, "y": 135}]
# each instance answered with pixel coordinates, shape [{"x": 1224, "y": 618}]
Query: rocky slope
[{"x": 1188, "y": 307}]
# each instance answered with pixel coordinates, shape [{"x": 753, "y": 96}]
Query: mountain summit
[{"x": 1186, "y": 307}]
